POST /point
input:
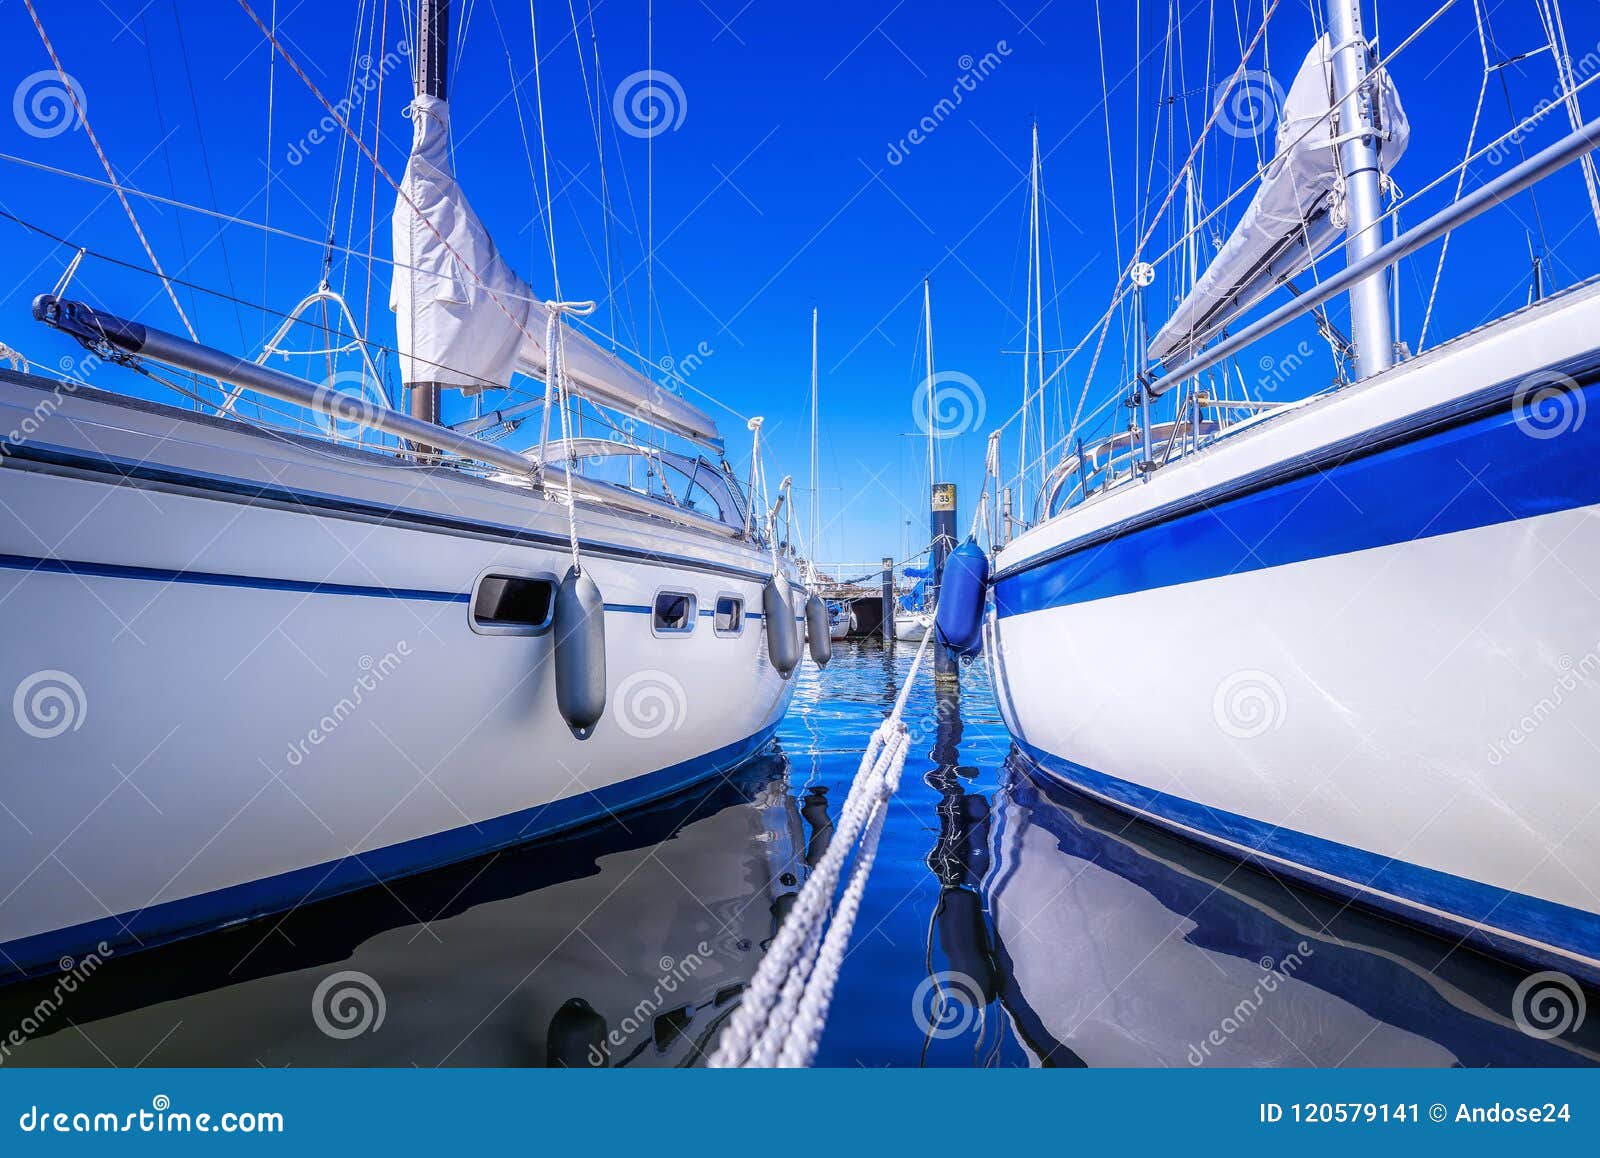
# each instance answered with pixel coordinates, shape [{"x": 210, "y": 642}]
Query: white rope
[
  {"x": 68, "y": 84},
  {"x": 556, "y": 393},
  {"x": 781, "y": 1016}
]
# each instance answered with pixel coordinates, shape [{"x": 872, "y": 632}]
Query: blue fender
[{"x": 961, "y": 598}]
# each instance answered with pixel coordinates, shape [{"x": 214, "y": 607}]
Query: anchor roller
[
  {"x": 580, "y": 631},
  {"x": 783, "y": 638},
  {"x": 817, "y": 631}
]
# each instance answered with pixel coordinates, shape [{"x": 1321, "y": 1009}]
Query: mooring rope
[
  {"x": 781, "y": 1016},
  {"x": 556, "y": 392}
]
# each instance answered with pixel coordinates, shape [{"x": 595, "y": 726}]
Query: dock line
[{"x": 780, "y": 1019}]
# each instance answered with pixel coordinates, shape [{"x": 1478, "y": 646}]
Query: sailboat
[
  {"x": 251, "y": 669},
  {"x": 1349, "y": 638}
]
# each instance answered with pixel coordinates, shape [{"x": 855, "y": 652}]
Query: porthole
[
  {"x": 674, "y": 612},
  {"x": 509, "y": 604},
  {"x": 729, "y": 618}
]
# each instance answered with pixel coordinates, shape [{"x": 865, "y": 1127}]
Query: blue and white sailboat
[
  {"x": 1353, "y": 639},
  {"x": 250, "y": 668}
]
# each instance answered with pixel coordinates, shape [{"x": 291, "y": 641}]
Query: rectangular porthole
[
  {"x": 513, "y": 604},
  {"x": 674, "y": 613},
  {"x": 730, "y": 615}
]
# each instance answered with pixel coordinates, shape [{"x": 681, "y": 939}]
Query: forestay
[
  {"x": 467, "y": 321},
  {"x": 1297, "y": 210}
]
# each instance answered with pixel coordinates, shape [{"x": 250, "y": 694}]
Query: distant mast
[
  {"x": 1371, "y": 325},
  {"x": 933, "y": 384},
  {"x": 812, "y": 547},
  {"x": 428, "y": 79}
]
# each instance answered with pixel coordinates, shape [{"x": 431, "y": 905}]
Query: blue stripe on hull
[
  {"x": 175, "y": 920},
  {"x": 1486, "y": 471},
  {"x": 218, "y": 579},
  {"x": 1358, "y": 871},
  {"x": 255, "y": 582}
]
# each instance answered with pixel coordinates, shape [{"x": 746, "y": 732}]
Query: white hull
[
  {"x": 1408, "y": 722},
  {"x": 1213, "y": 967},
  {"x": 280, "y": 686},
  {"x": 911, "y": 626}
]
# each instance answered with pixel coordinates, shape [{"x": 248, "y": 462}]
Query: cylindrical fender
[
  {"x": 961, "y": 597},
  {"x": 783, "y": 635},
  {"x": 818, "y": 631},
  {"x": 580, "y": 631}
]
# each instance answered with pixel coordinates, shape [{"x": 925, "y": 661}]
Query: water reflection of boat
[
  {"x": 621, "y": 946},
  {"x": 1122, "y": 945}
]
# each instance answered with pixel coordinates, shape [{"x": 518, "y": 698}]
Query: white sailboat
[
  {"x": 251, "y": 669},
  {"x": 1314, "y": 638}
]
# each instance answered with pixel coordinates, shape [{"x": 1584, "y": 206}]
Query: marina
[{"x": 419, "y": 658}]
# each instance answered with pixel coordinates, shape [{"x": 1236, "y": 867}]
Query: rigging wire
[
  {"x": 205, "y": 162},
  {"x": 94, "y": 139},
  {"x": 1098, "y": 330}
]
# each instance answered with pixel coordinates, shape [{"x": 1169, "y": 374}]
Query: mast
[
  {"x": 1371, "y": 325},
  {"x": 1038, "y": 307},
  {"x": 933, "y": 385},
  {"x": 428, "y": 79},
  {"x": 812, "y": 544},
  {"x": 1191, "y": 277}
]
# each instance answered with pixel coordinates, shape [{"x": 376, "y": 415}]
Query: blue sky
[{"x": 788, "y": 179}]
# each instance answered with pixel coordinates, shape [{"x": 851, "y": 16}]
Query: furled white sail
[
  {"x": 1297, "y": 210},
  {"x": 466, "y": 320}
]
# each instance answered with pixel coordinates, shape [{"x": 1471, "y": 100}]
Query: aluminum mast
[{"x": 1371, "y": 325}]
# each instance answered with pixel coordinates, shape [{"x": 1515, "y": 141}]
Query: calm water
[{"x": 1008, "y": 922}]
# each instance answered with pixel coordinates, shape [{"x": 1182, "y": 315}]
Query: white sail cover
[
  {"x": 1296, "y": 212},
  {"x": 464, "y": 317}
]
